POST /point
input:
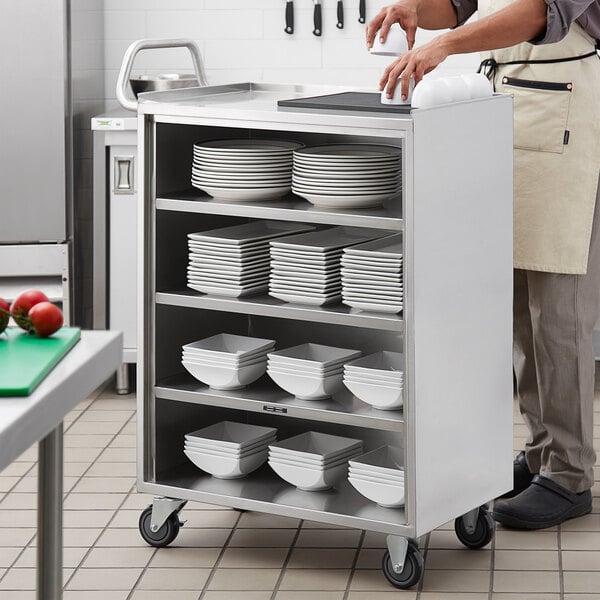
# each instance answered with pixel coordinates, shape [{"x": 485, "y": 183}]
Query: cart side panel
[{"x": 460, "y": 266}]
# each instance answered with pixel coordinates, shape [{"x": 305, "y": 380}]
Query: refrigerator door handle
[{"x": 124, "y": 175}]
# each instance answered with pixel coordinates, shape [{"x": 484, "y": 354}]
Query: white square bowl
[
  {"x": 312, "y": 463},
  {"x": 210, "y": 446},
  {"x": 233, "y": 363},
  {"x": 382, "y": 397},
  {"x": 224, "y": 467},
  {"x": 310, "y": 479},
  {"x": 316, "y": 445},
  {"x": 388, "y": 460},
  {"x": 360, "y": 473},
  {"x": 231, "y": 434},
  {"x": 224, "y": 377},
  {"x": 307, "y": 387},
  {"x": 391, "y": 382},
  {"x": 229, "y": 345},
  {"x": 292, "y": 369},
  {"x": 313, "y": 355},
  {"x": 384, "y": 494}
]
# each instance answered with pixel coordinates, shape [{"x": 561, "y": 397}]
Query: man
[{"x": 543, "y": 52}]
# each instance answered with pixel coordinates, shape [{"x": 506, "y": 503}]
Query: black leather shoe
[
  {"x": 543, "y": 504},
  {"x": 522, "y": 476}
]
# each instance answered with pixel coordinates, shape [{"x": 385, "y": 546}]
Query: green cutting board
[{"x": 26, "y": 359}]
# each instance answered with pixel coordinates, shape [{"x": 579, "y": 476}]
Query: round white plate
[
  {"x": 231, "y": 162},
  {"x": 247, "y": 145},
  {"x": 326, "y": 173},
  {"x": 366, "y": 201},
  {"x": 244, "y": 195},
  {"x": 350, "y": 151},
  {"x": 199, "y": 174},
  {"x": 374, "y": 307},
  {"x": 241, "y": 184},
  {"x": 313, "y": 301}
]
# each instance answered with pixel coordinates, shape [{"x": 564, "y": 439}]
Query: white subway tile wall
[{"x": 245, "y": 41}]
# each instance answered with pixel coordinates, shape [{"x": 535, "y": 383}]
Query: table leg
[{"x": 50, "y": 501}]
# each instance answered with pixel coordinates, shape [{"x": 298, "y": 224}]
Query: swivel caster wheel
[
  {"x": 475, "y": 531},
  {"x": 412, "y": 571},
  {"x": 165, "y": 535}
]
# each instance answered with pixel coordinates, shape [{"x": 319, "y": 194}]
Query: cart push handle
[{"x": 125, "y": 95}]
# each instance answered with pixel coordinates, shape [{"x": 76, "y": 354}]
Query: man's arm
[
  {"x": 410, "y": 14},
  {"x": 521, "y": 21}
]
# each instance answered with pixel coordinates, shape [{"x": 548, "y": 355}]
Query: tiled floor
[{"x": 222, "y": 554}]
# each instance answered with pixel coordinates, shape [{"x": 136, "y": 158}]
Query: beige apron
[{"x": 557, "y": 148}]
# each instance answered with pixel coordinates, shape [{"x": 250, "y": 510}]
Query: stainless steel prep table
[
  {"x": 456, "y": 217},
  {"x": 38, "y": 418}
]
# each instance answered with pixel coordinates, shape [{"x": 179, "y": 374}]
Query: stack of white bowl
[
  {"x": 372, "y": 275},
  {"x": 234, "y": 261},
  {"x": 313, "y": 461},
  {"x": 226, "y": 361},
  {"x": 310, "y": 371},
  {"x": 243, "y": 170},
  {"x": 305, "y": 268},
  {"x": 229, "y": 450},
  {"x": 377, "y": 379},
  {"x": 379, "y": 476},
  {"x": 347, "y": 175}
]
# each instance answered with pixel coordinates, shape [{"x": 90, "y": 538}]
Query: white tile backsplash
[{"x": 243, "y": 40}]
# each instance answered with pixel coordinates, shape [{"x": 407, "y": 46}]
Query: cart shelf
[
  {"x": 265, "y": 396},
  {"x": 267, "y": 306},
  {"x": 264, "y": 491},
  {"x": 291, "y": 208}
]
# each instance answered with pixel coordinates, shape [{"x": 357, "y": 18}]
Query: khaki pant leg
[
  {"x": 526, "y": 373},
  {"x": 564, "y": 310}
]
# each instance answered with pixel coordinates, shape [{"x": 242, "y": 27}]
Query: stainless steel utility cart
[{"x": 455, "y": 214}]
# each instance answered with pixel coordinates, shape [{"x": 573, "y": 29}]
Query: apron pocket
[{"x": 541, "y": 113}]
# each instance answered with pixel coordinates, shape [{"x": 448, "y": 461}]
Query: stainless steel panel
[{"x": 33, "y": 120}]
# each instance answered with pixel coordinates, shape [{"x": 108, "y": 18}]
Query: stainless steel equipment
[
  {"x": 116, "y": 201},
  {"x": 455, "y": 330}
]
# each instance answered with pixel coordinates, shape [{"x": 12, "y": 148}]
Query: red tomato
[
  {"x": 4, "y": 314},
  {"x": 22, "y": 305},
  {"x": 45, "y": 318}
]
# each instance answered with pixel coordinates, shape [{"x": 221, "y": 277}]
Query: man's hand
[
  {"x": 415, "y": 64},
  {"x": 404, "y": 13}
]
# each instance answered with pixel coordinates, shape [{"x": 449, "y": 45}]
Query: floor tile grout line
[
  {"x": 220, "y": 556},
  {"x": 103, "y": 529},
  {"x": 141, "y": 575},
  {"x": 287, "y": 559},
  {"x": 561, "y": 580},
  {"x": 354, "y": 563},
  {"x": 492, "y": 566}
]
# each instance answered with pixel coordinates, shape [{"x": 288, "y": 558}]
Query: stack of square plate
[
  {"x": 379, "y": 476},
  {"x": 234, "y": 261},
  {"x": 347, "y": 175},
  {"x": 305, "y": 268},
  {"x": 229, "y": 450},
  {"x": 309, "y": 371},
  {"x": 243, "y": 170},
  {"x": 226, "y": 361},
  {"x": 377, "y": 379},
  {"x": 313, "y": 461},
  {"x": 372, "y": 277}
]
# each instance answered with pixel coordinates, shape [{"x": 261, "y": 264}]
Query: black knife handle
[
  {"x": 340, "y": 14},
  {"x": 318, "y": 20},
  {"x": 289, "y": 17},
  {"x": 362, "y": 11}
]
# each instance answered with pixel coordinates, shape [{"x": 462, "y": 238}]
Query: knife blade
[
  {"x": 317, "y": 18},
  {"x": 340, "y": 14},
  {"x": 289, "y": 16},
  {"x": 362, "y": 11}
]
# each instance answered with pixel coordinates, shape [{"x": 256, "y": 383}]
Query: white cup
[
  {"x": 478, "y": 84},
  {"x": 431, "y": 92},
  {"x": 397, "y": 97},
  {"x": 458, "y": 88},
  {"x": 394, "y": 45}
]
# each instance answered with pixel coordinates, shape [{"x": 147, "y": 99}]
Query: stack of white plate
[
  {"x": 377, "y": 379},
  {"x": 305, "y": 268},
  {"x": 229, "y": 450},
  {"x": 226, "y": 361},
  {"x": 234, "y": 261},
  {"x": 347, "y": 175},
  {"x": 313, "y": 461},
  {"x": 243, "y": 170},
  {"x": 379, "y": 476},
  {"x": 310, "y": 371},
  {"x": 372, "y": 277}
]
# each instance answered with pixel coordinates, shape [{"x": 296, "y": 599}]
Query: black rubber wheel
[
  {"x": 484, "y": 530},
  {"x": 165, "y": 535},
  {"x": 411, "y": 573}
]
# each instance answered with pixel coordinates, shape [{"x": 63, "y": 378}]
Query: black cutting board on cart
[{"x": 358, "y": 101}]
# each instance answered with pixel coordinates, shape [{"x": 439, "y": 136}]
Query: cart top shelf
[{"x": 257, "y": 102}]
